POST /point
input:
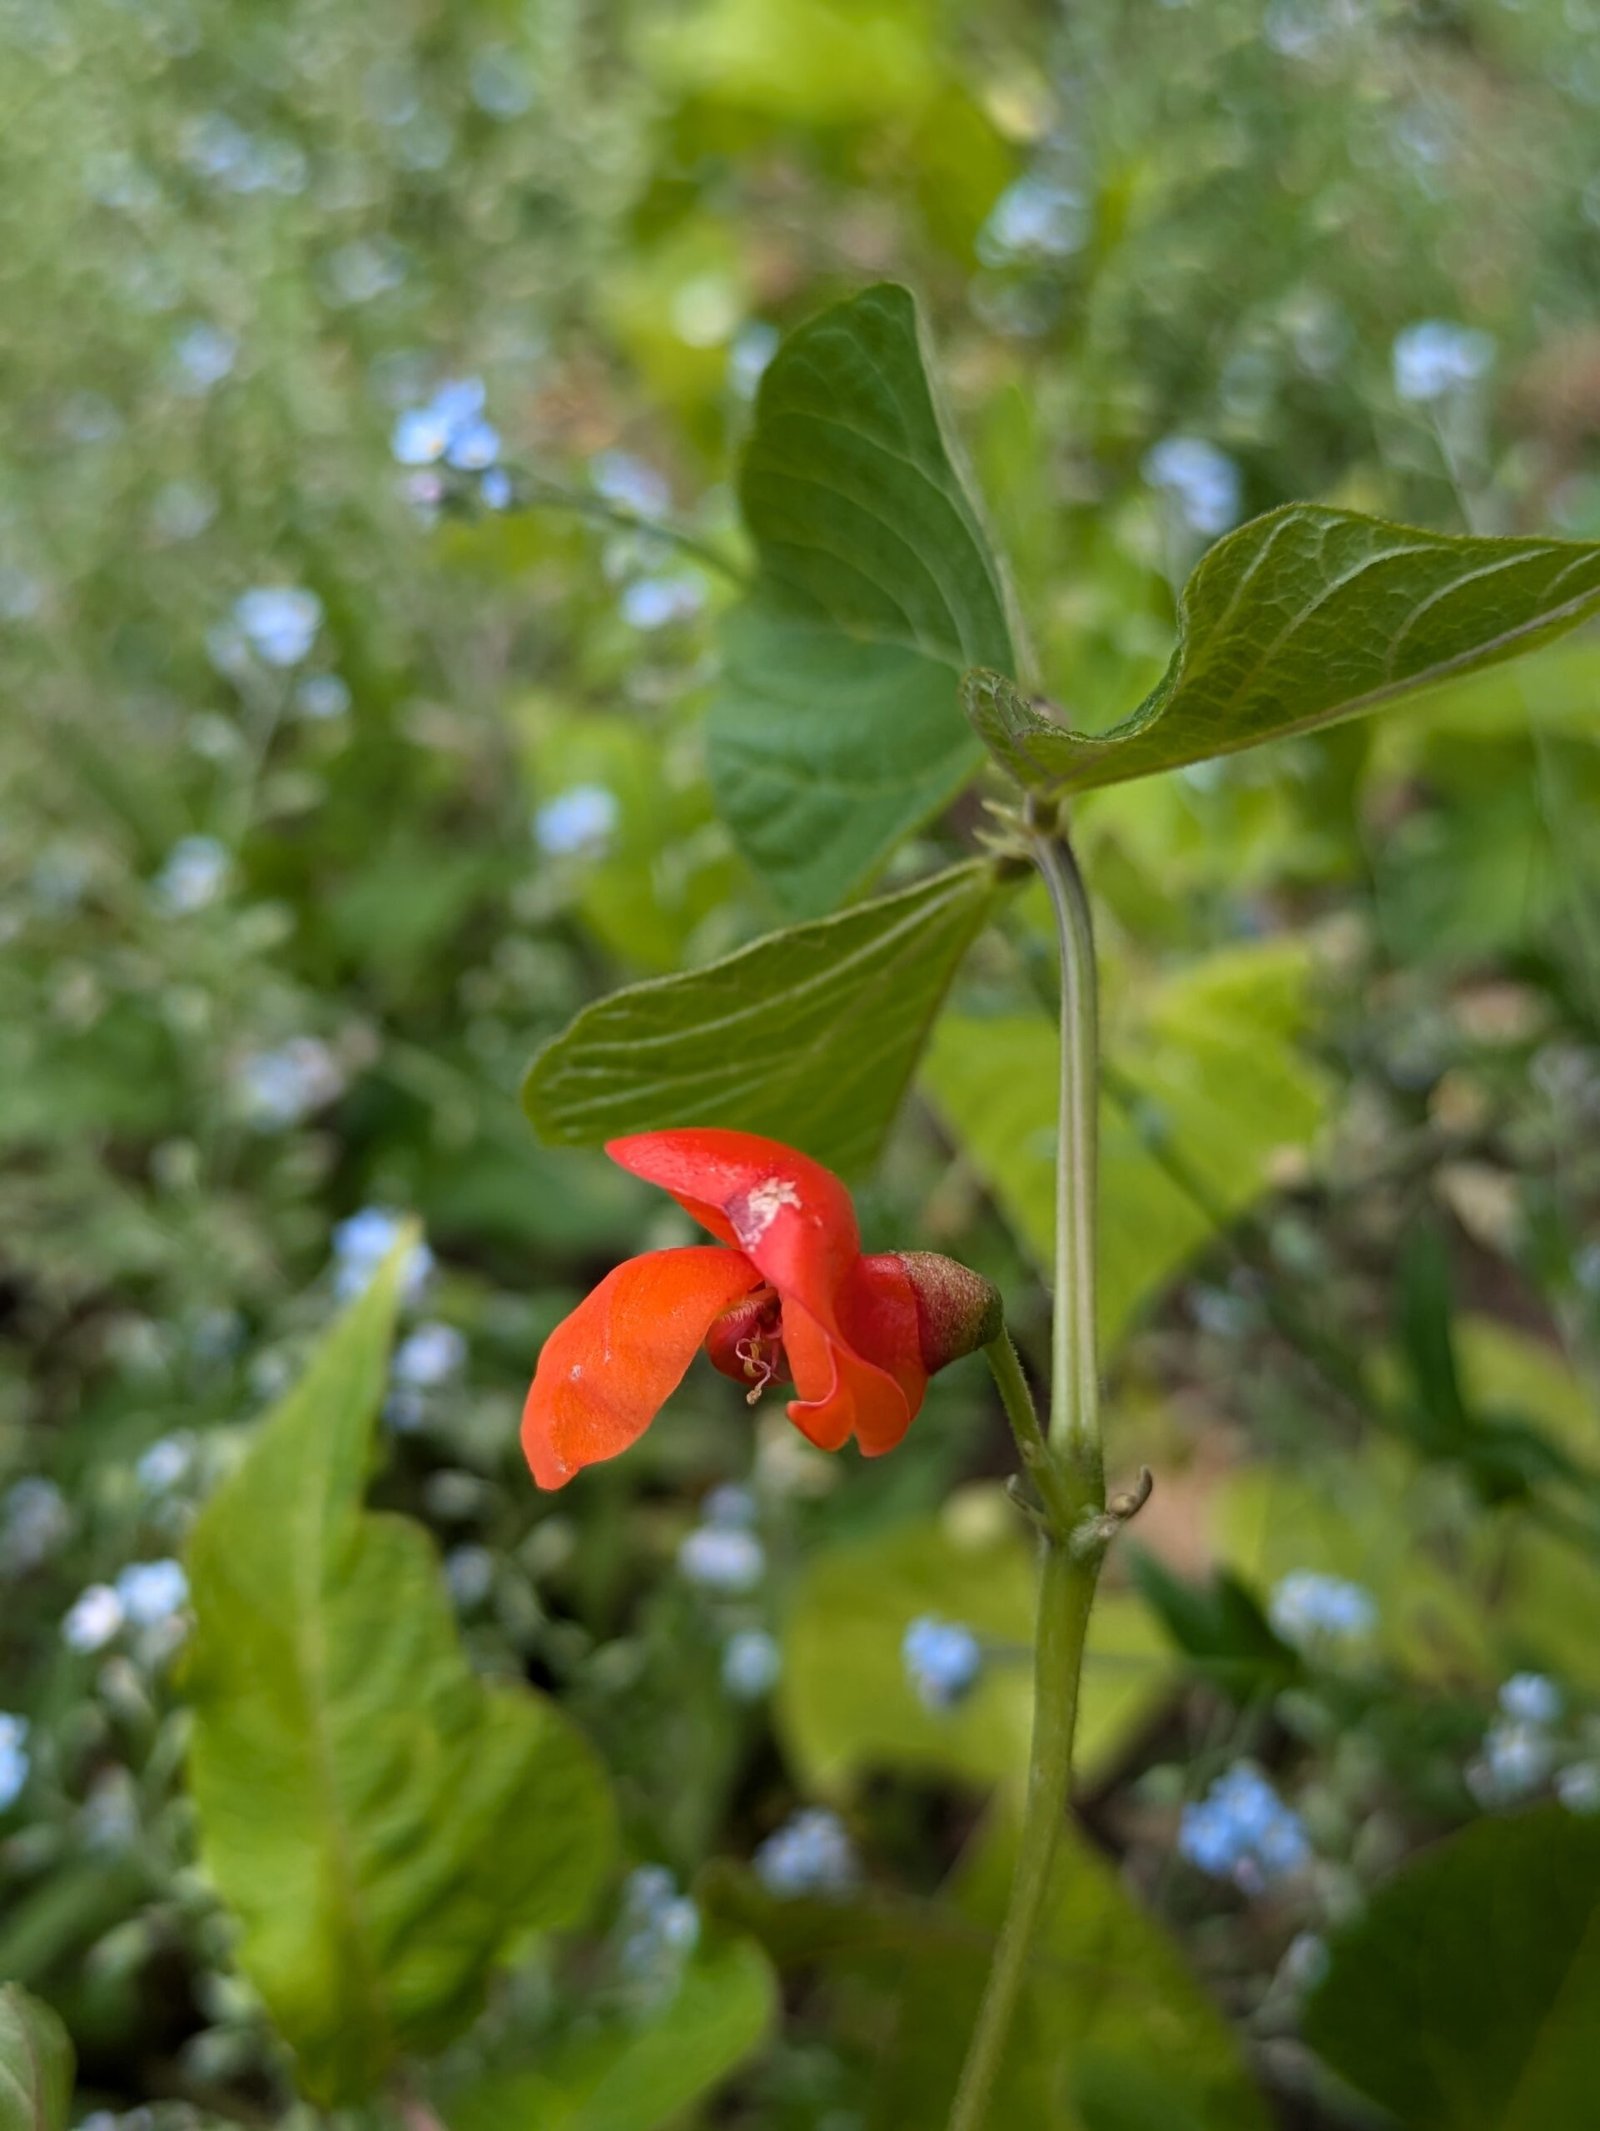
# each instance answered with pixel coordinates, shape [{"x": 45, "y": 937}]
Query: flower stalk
[{"x": 1067, "y": 1471}]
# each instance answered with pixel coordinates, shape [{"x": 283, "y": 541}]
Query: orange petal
[
  {"x": 841, "y": 1393},
  {"x": 791, "y": 1217},
  {"x": 881, "y": 1318},
  {"x": 606, "y": 1371}
]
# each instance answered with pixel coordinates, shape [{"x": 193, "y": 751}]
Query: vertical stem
[
  {"x": 1068, "y": 1471},
  {"x": 1066, "y": 1592},
  {"x": 1075, "y": 1386}
]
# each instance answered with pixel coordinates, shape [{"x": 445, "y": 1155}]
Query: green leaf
[
  {"x": 1105, "y": 1982},
  {"x": 837, "y": 728},
  {"x": 385, "y": 1827},
  {"x": 1467, "y": 1996},
  {"x": 632, "y": 2077},
  {"x": 810, "y": 1035},
  {"x": 1297, "y": 620},
  {"x": 847, "y": 1710},
  {"x": 1205, "y": 1092},
  {"x": 36, "y": 2064}
]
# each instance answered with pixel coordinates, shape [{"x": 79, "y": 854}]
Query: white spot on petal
[{"x": 761, "y": 1206}]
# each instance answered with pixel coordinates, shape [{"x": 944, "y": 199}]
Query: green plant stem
[
  {"x": 1006, "y": 1366},
  {"x": 1066, "y": 1592},
  {"x": 1067, "y": 1470},
  {"x": 551, "y": 495},
  {"x": 1075, "y": 1374}
]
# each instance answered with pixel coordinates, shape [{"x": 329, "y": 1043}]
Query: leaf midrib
[{"x": 309, "y": 1644}]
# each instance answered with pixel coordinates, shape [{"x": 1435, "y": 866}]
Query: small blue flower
[
  {"x": 1308, "y": 1609},
  {"x": 1034, "y": 219},
  {"x": 631, "y": 483},
  {"x": 751, "y": 1664},
  {"x": 1516, "y": 1759},
  {"x": 14, "y": 1761},
  {"x": 1242, "y": 1830},
  {"x": 754, "y": 346},
  {"x": 1436, "y": 358},
  {"x": 810, "y": 1854},
  {"x": 657, "y": 1930},
  {"x": 280, "y": 622},
  {"x": 942, "y": 1660},
  {"x": 1530, "y": 1698},
  {"x": 360, "y": 1245},
  {"x": 322, "y": 696},
  {"x": 205, "y": 355},
  {"x": 34, "y": 1522},
  {"x": 1202, "y": 480},
  {"x": 656, "y": 602},
  {"x": 721, "y": 1558},
  {"x": 152, "y": 1592},
  {"x": 577, "y": 823},
  {"x": 421, "y": 436},
  {"x": 729, "y": 1505},
  {"x": 94, "y": 1619},
  {"x": 278, "y": 1088},
  {"x": 496, "y": 490},
  {"x": 501, "y": 82},
  {"x": 1578, "y": 1787},
  {"x": 448, "y": 429},
  {"x": 474, "y": 446},
  {"x": 469, "y": 1571},
  {"x": 430, "y": 1356},
  {"x": 167, "y": 1462},
  {"x": 194, "y": 873}
]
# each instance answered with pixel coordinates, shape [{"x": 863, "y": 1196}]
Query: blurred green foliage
[{"x": 1184, "y": 263}]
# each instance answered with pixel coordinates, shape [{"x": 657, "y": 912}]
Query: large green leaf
[
  {"x": 36, "y": 2064},
  {"x": 1206, "y": 1090},
  {"x": 810, "y": 1035},
  {"x": 837, "y": 728},
  {"x": 383, "y": 1825},
  {"x": 846, "y": 1708},
  {"x": 1467, "y": 1997},
  {"x": 1298, "y": 619},
  {"x": 1107, "y": 1987},
  {"x": 636, "y": 2075}
]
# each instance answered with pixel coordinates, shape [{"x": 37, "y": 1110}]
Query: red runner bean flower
[{"x": 784, "y": 1295}]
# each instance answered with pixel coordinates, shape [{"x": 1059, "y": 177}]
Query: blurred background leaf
[
  {"x": 35, "y": 2064},
  {"x": 385, "y": 1826}
]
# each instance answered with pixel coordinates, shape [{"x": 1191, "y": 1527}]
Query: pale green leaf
[
  {"x": 1105, "y": 1985},
  {"x": 837, "y": 728},
  {"x": 384, "y": 1826},
  {"x": 636, "y": 2075},
  {"x": 1367, "y": 1520},
  {"x": 36, "y": 2064},
  {"x": 1297, "y": 620},
  {"x": 1466, "y": 1997},
  {"x": 810, "y": 1035},
  {"x": 818, "y": 62},
  {"x": 1206, "y": 1093},
  {"x": 846, "y": 1708}
]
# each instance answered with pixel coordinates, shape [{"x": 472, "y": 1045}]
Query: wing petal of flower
[{"x": 606, "y": 1371}]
